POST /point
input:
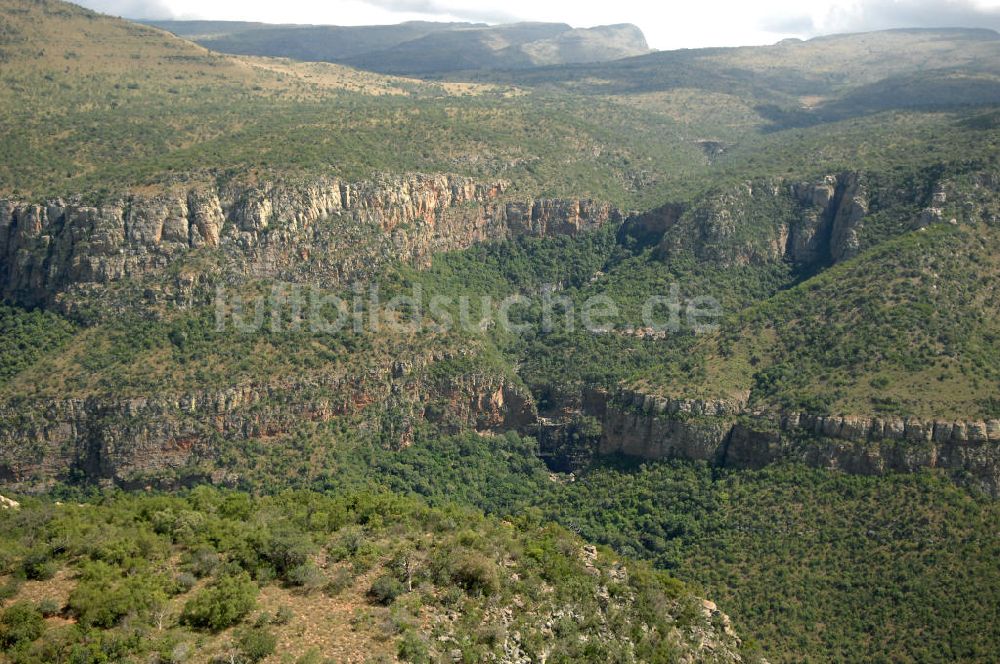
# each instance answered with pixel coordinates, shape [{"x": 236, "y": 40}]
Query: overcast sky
[{"x": 690, "y": 23}]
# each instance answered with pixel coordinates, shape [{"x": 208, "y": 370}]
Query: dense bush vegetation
[
  {"x": 27, "y": 336},
  {"x": 922, "y": 341},
  {"x": 784, "y": 550},
  {"x": 406, "y": 563},
  {"x": 21, "y": 622},
  {"x": 807, "y": 561},
  {"x": 811, "y": 560},
  {"x": 223, "y": 604}
]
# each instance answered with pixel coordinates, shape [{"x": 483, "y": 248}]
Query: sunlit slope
[{"x": 909, "y": 328}]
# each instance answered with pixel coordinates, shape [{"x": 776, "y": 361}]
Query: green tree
[
  {"x": 223, "y": 604},
  {"x": 103, "y": 597},
  {"x": 20, "y": 623}
]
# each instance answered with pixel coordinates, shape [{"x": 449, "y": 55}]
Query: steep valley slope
[{"x": 174, "y": 221}]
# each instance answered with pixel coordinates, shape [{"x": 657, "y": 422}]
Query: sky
[{"x": 666, "y": 24}]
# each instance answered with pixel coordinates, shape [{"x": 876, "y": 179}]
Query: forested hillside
[{"x": 276, "y": 334}]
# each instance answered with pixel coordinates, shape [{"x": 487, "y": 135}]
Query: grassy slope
[
  {"x": 91, "y": 90},
  {"x": 107, "y": 104}
]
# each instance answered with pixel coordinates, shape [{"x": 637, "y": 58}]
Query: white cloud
[
  {"x": 130, "y": 8},
  {"x": 666, "y": 25},
  {"x": 882, "y": 14}
]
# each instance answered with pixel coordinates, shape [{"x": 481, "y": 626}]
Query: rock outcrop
[
  {"x": 725, "y": 432},
  {"x": 326, "y": 231},
  {"x": 760, "y": 222},
  {"x": 973, "y": 197},
  {"x": 763, "y": 222},
  {"x": 174, "y": 438},
  {"x": 902, "y": 446},
  {"x": 330, "y": 231}
]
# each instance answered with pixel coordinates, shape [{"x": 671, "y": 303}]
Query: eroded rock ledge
[
  {"x": 168, "y": 438},
  {"x": 727, "y": 433},
  {"x": 327, "y": 230},
  {"x": 819, "y": 222}
]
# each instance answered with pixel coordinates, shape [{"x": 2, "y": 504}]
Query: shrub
[
  {"x": 386, "y": 589},
  {"x": 287, "y": 551},
  {"x": 38, "y": 566},
  {"x": 185, "y": 581},
  {"x": 312, "y": 656},
  {"x": 347, "y": 543},
  {"x": 341, "y": 581},
  {"x": 20, "y": 623},
  {"x": 223, "y": 604},
  {"x": 475, "y": 573},
  {"x": 256, "y": 643},
  {"x": 10, "y": 588},
  {"x": 202, "y": 562},
  {"x": 491, "y": 634},
  {"x": 49, "y": 607},
  {"x": 283, "y": 616},
  {"x": 307, "y": 576},
  {"x": 188, "y": 525},
  {"x": 879, "y": 382},
  {"x": 102, "y": 597},
  {"x": 452, "y": 597},
  {"x": 412, "y": 648},
  {"x": 175, "y": 653}
]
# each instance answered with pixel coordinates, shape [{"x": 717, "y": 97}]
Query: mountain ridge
[{"x": 419, "y": 47}]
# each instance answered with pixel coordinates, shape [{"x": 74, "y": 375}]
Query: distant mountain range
[{"x": 419, "y": 48}]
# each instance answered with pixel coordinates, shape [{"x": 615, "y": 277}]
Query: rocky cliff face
[
  {"x": 331, "y": 231},
  {"x": 328, "y": 231},
  {"x": 759, "y": 222},
  {"x": 872, "y": 446},
  {"x": 171, "y": 438},
  {"x": 814, "y": 223},
  {"x": 727, "y": 433},
  {"x": 832, "y": 214}
]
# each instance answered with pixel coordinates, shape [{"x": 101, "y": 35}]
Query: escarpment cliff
[
  {"x": 166, "y": 438},
  {"x": 764, "y": 221},
  {"x": 727, "y": 432},
  {"x": 331, "y": 232},
  {"x": 327, "y": 231},
  {"x": 813, "y": 223}
]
